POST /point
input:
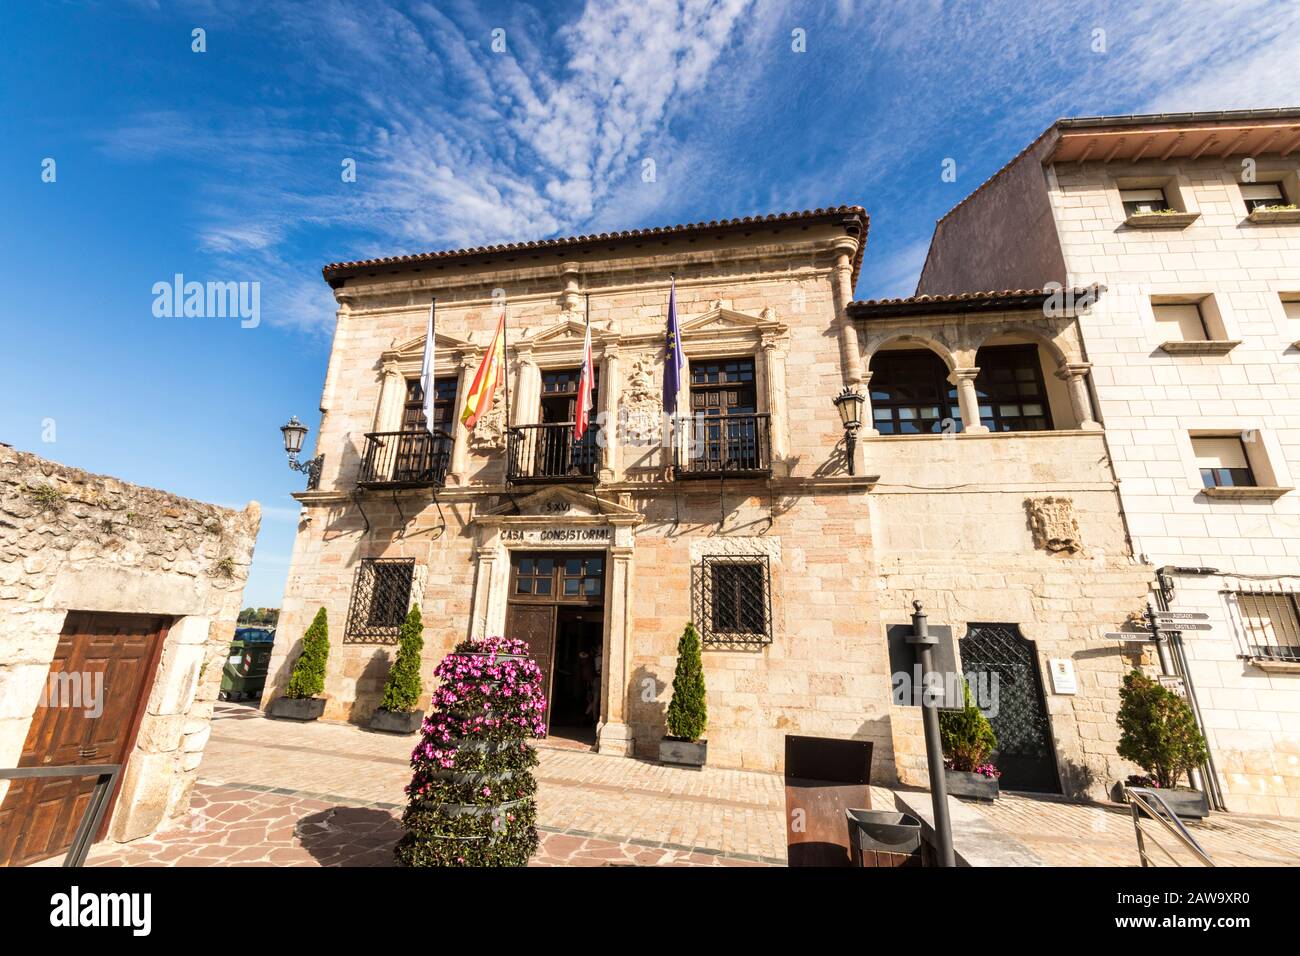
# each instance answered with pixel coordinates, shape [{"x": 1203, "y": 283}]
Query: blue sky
[{"x": 225, "y": 166}]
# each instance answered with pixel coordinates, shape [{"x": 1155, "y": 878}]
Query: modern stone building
[
  {"x": 117, "y": 607},
  {"x": 1190, "y": 222},
  {"x": 791, "y": 553}
]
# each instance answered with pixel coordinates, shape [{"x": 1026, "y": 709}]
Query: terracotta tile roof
[
  {"x": 1005, "y": 300},
  {"x": 854, "y": 216}
]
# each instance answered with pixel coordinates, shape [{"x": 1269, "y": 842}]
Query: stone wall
[
  {"x": 953, "y": 528},
  {"x": 75, "y": 541}
]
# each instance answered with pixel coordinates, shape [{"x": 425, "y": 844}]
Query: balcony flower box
[
  {"x": 1268, "y": 215},
  {"x": 1172, "y": 219}
]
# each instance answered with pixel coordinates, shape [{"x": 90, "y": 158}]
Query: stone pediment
[
  {"x": 568, "y": 332},
  {"x": 558, "y": 503},
  {"x": 722, "y": 319},
  {"x": 413, "y": 349}
]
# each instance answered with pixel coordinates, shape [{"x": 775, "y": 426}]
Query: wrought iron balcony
[
  {"x": 732, "y": 445},
  {"x": 406, "y": 459},
  {"x": 546, "y": 453}
]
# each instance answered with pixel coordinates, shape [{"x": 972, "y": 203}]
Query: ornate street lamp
[
  {"x": 849, "y": 402},
  {"x": 294, "y": 432}
]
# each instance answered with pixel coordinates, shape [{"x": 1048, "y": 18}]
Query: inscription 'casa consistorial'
[{"x": 555, "y": 535}]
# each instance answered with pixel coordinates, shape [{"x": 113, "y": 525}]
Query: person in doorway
[
  {"x": 597, "y": 660},
  {"x": 587, "y": 674}
]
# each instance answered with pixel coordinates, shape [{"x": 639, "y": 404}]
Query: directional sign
[
  {"x": 1185, "y": 627},
  {"x": 1181, "y": 616},
  {"x": 1138, "y": 637}
]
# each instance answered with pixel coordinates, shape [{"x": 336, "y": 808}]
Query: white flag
[{"x": 426, "y": 373}]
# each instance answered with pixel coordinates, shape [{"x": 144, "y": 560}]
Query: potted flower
[
  {"x": 968, "y": 739},
  {"x": 687, "y": 712},
  {"x": 399, "y": 712},
  {"x": 308, "y": 678},
  {"x": 1158, "y": 732},
  {"x": 472, "y": 795}
]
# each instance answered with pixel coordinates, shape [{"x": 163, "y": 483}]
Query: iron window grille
[
  {"x": 734, "y": 601},
  {"x": 1269, "y": 623},
  {"x": 381, "y": 598}
]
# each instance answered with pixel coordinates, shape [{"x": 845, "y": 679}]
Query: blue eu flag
[{"x": 674, "y": 360}]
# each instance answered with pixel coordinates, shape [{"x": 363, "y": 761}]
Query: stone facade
[
  {"x": 944, "y": 519},
  {"x": 74, "y": 541},
  {"x": 1155, "y": 396}
]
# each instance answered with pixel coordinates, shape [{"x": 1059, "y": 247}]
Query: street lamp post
[
  {"x": 924, "y": 644},
  {"x": 294, "y": 432}
]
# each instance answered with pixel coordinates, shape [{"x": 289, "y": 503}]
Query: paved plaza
[{"x": 287, "y": 794}]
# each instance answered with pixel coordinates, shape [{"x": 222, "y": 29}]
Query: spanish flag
[{"x": 488, "y": 378}]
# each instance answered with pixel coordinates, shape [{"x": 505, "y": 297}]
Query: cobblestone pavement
[
  {"x": 239, "y": 826},
  {"x": 1071, "y": 834},
  {"x": 331, "y": 794},
  {"x": 275, "y": 792}
]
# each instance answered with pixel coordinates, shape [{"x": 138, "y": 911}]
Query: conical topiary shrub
[
  {"x": 966, "y": 735},
  {"x": 403, "y": 688},
  {"x": 471, "y": 796},
  {"x": 308, "y": 677},
  {"x": 1158, "y": 731},
  {"x": 688, "y": 713}
]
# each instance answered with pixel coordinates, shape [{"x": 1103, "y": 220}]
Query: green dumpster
[{"x": 244, "y": 673}]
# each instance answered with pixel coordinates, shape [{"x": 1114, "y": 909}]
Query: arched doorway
[{"x": 1026, "y": 754}]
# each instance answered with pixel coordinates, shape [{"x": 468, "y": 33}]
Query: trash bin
[
  {"x": 884, "y": 838},
  {"x": 244, "y": 674}
]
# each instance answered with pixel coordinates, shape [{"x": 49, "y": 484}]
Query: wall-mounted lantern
[
  {"x": 294, "y": 432},
  {"x": 849, "y": 402}
]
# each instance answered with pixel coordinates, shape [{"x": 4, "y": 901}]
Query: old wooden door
[
  {"x": 535, "y": 623},
  {"x": 75, "y": 724}
]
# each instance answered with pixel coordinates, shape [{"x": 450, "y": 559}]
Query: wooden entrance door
[
  {"x": 540, "y": 584},
  {"x": 39, "y": 818}
]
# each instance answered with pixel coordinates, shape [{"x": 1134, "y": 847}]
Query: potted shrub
[
  {"x": 308, "y": 678},
  {"x": 472, "y": 795},
  {"x": 968, "y": 739},
  {"x": 687, "y": 712},
  {"x": 399, "y": 712},
  {"x": 1158, "y": 733}
]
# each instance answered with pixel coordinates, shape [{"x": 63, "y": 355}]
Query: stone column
[
  {"x": 842, "y": 283},
  {"x": 868, "y": 429},
  {"x": 392, "y": 396},
  {"x": 1074, "y": 374},
  {"x": 528, "y": 388},
  {"x": 484, "y": 572},
  {"x": 460, "y": 437},
  {"x": 610, "y": 386},
  {"x": 614, "y": 735},
  {"x": 964, "y": 379},
  {"x": 774, "y": 385}
]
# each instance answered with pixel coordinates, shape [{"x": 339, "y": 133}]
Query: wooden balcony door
[{"x": 39, "y": 817}]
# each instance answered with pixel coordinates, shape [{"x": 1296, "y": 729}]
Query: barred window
[
  {"x": 735, "y": 601},
  {"x": 1271, "y": 621},
  {"x": 381, "y": 597}
]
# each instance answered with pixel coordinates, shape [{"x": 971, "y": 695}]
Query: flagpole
[{"x": 505, "y": 365}]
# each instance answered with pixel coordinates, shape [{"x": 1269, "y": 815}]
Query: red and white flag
[{"x": 582, "y": 416}]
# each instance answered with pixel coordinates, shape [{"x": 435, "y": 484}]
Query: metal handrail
[
  {"x": 93, "y": 815},
  {"x": 547, "y": 451},
  {"x": 411, "y": 457},
  {"x": 1139, "y": 801}
]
